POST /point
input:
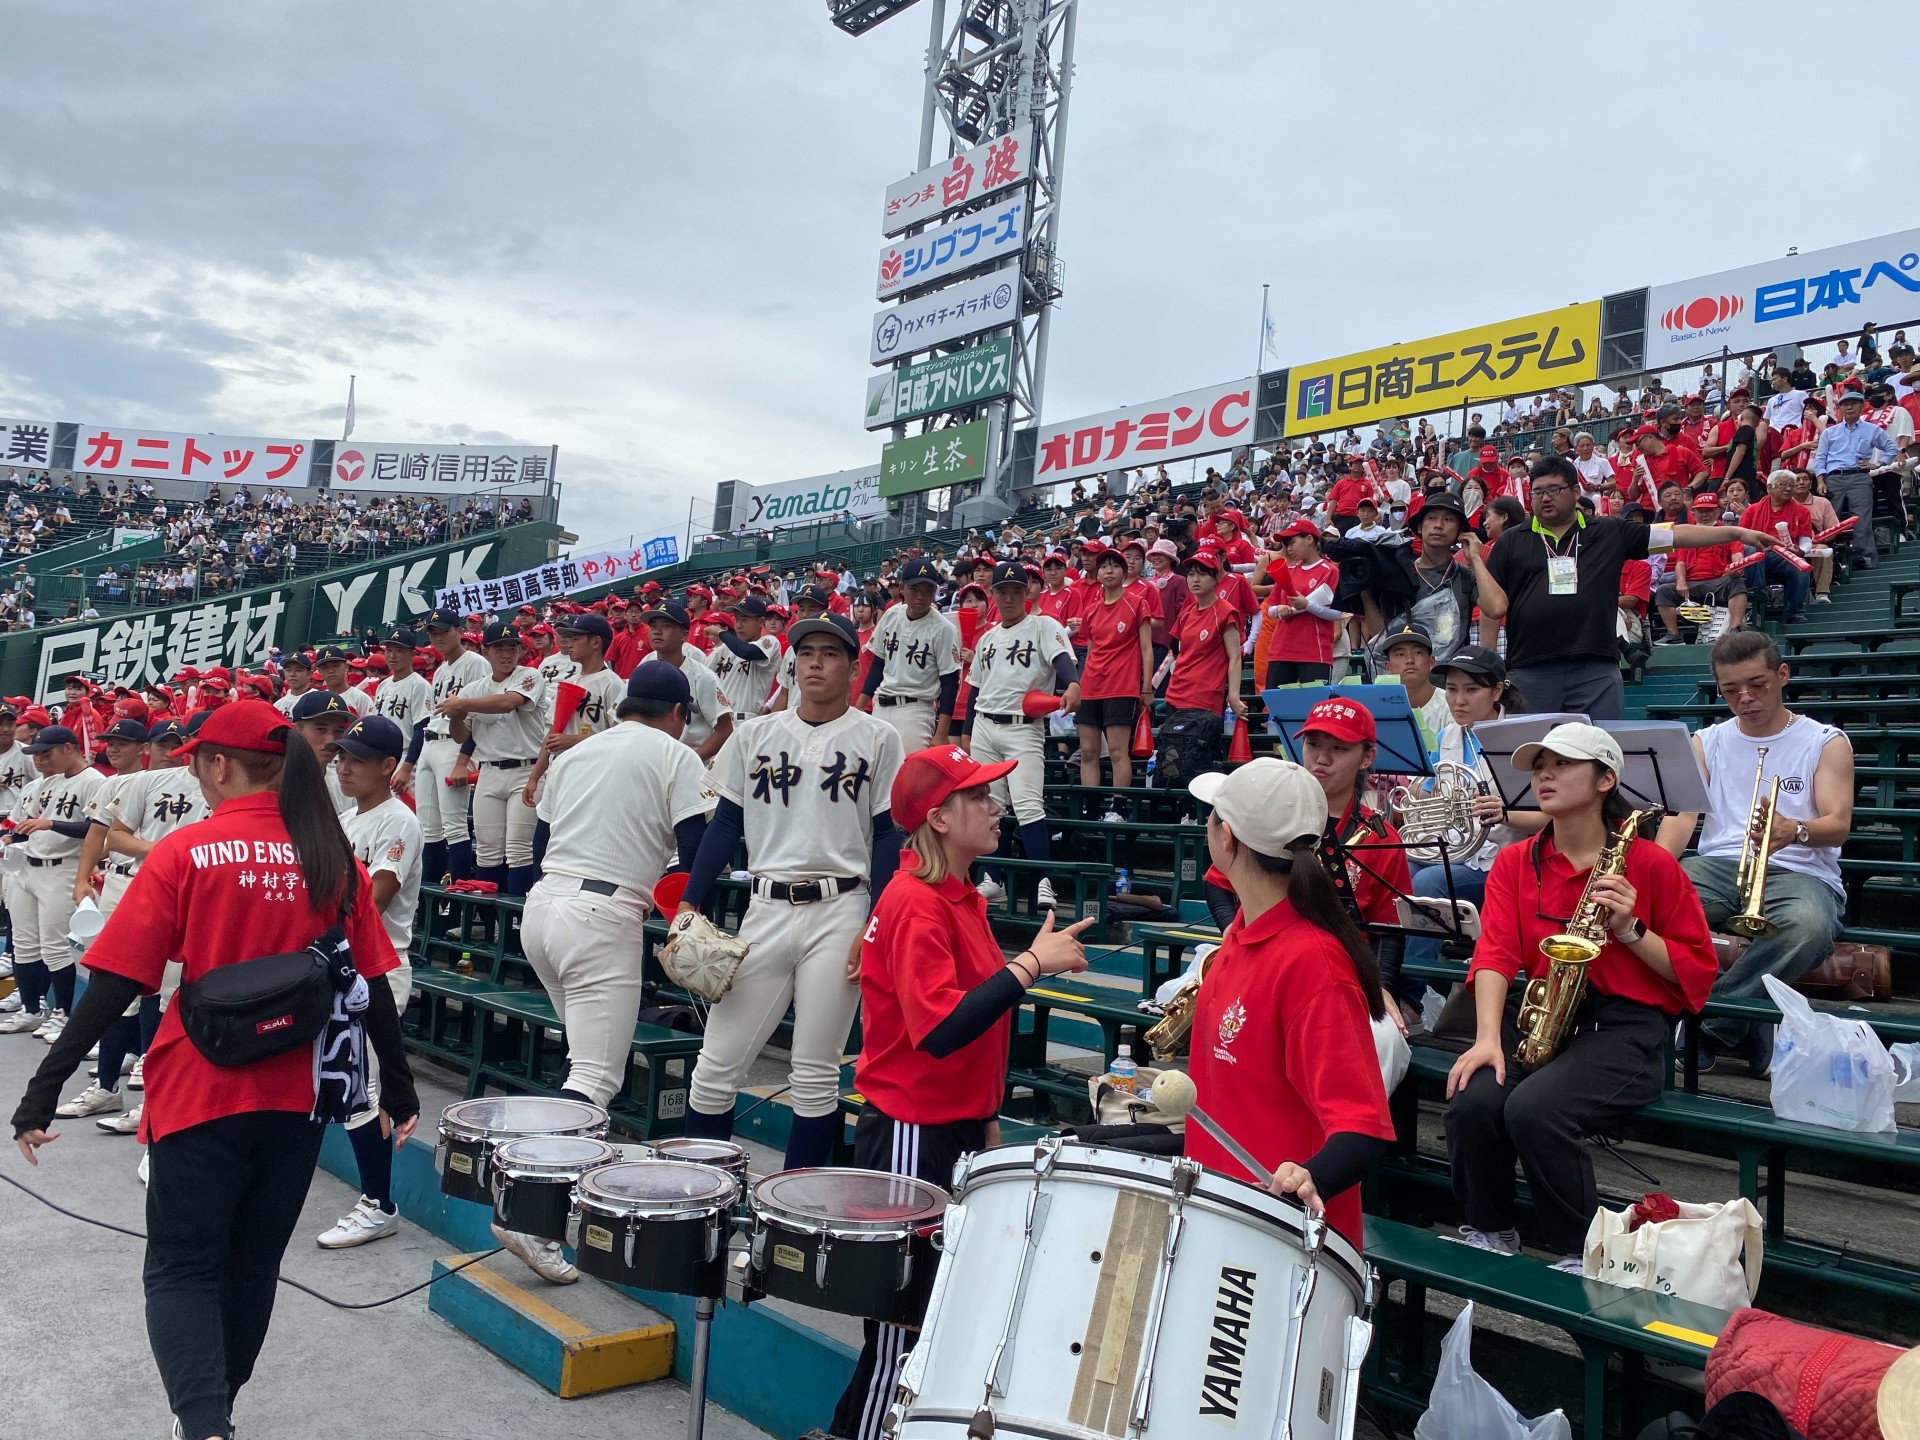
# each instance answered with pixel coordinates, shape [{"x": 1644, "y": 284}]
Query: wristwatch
[
  {"x": 1801, "y": 834},
  {"x": 1635, "y": 935}
]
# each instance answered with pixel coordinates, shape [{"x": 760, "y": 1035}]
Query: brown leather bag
[{"x": 1851, "y": 972}]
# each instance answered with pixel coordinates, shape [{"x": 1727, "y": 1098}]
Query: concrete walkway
[{"x": 76, "y": 1342}]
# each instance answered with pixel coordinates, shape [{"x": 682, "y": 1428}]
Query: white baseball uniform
[
  {"x": 746, "y": 683},
  {"x": 599, "y": 711},
  {"x": 506, "y": 746},
  {"x": 287, "y": 701},
  {"x": 808, "y": 794},
  {"x": 43, "y": 892},
  {"x": 917, "y": 656},
  {"x": 443, "y": 807},
  {"x": 102, "y": 806},
  {"x": 556, "y": 667},
  {"x": 152, "y": 804},
  {"x": 1009, "y": 662},
  {"x": 708, "y": 698},
  {"x": 357, "y": 700},
  {"x": 387, "y": 839},
  {"x": 404, "y": 699},
  {"x": 610, "y": 804}
]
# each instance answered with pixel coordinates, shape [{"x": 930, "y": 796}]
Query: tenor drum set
[{"x": 1068, "y": 1290}]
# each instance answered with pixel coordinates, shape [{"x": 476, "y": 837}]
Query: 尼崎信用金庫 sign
[{"x": 946, "y": 382}]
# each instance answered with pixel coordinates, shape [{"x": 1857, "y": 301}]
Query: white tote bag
[{"x": 1710, "y": 1254}]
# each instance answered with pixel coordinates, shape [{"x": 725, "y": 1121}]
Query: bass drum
[
  {"x": 470, "y": 1131},
  {"x": 1143, "y": 1295}
]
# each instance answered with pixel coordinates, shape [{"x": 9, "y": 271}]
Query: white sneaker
[
  {"x": 1500, "y": 1242},
  {"x": 93, "y": 1055},
  {"x": 50, "y": 1032},
  {"x": 142, "y": 1170},
  {"x": 990, "y": 889},
  {"x": 10, "y": 1003},
  {"x": 6, "y": 966},
  {"x": 90, "y": 1101},
  {"x": 365, "y": 1221},
  {"x": 1113, "y": 817},
  {"x": 22, "y": 1022},
  {"x": 1043, "y": 897},
  {"x": 137, "y": 1077},
  {"x": 125, "y": 1123},
  {"x": 1570, "y": 1265},
  {"x": 545, "y": 1258}
]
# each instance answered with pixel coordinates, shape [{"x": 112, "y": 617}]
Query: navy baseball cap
[
  {"x": 918, "y": 571},
  {"x": 400, "y": 635},
  {"x": 316, "y": 703},
  {"x": 169, "y": 728},
  {"x": 372, "y": 735},
  {"x": 814, "y": 595},
  {"x": 753, "y": 606},
  {"x": 126, "y": 728},
  {"x": 837, "y": 626},
  {"x": 670, "y": 611},
  {"x": 329, "y": 653},
  {"x": 1009, "y": 572},
  {"x": 1404, "y": 630},
  {"x": 588, "y": 625},
  {"x": 657, "y": 680},
  {"x": 298, "y": 657},
  {"x": 444, "y": 619},
  {"x": 499, "y": 633},
  {"x": 51, "y": 736},
  {"x": 195, "y": 721}
]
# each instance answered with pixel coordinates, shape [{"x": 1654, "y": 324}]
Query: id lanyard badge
[{"x": 1563, "y": 574}]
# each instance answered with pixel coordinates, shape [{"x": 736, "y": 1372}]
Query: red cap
[
  {"x": 243, "y": 725},
  {"x": 1344, "y": 720},
  {"x": 1300, "y": 527},
  {"x": 262, "y": 686},
  {"x": 528, "y": 610},
  {"x": 541, "y": 629},
  {"x": 928, "y": 777},
  {"x": 1706, "y": 501},
  {"x": 219, "y": 672},
  {"x": 187, "y": 672},
  {"x": 35, "y": 715},
  {"x": 1206, "y": 559},
  {"x": 1487, "y": 452},
  {"x": 702, "y": 591}
]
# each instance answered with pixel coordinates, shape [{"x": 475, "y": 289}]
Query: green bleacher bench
[
  {"x": 1110, "y": 1008},
  {"x": 1604, "y": 1321},
  {"x": 1081, "y": 890},
  {"x": 1163, "y": 951},
  {"x": 1126, "y": 843},
  {"x": 1892, "y": 710}
]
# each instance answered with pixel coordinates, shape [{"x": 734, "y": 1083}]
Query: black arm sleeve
[
  {"x": 542, "y": 837},
  {"x": 1342, "y": 1162},
  {"x": 876, "y": 672},
  {"x": 72, "y": 829},
  {"x": 687, "y": 836},
  {"x": 466, "y": 746},
  {"x": 949, "y": 693},
  {"x": 418, "y": 740},
  {"x": 976, "y": 1013},
  {"x": 883, "y": 857},
  {"x": 752, "y": 654},
  {"x": 108, "y": 995},
  {"x": 724, "y": 833},
  {"x": 382, "y": 1021},
  {"x": 1065, "y": 669}
]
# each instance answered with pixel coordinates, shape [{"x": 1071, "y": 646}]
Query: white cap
[
  {"x": 1270, "y": 803},
  {"x": 1575, "y": 741}
]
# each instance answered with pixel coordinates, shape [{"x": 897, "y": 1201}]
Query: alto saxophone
[
  {"x": 1167, "y": 1036},
  {"x": 1546, "y": 1009}
]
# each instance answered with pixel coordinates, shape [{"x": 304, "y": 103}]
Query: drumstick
[{"x": 1173, "y": 1092}]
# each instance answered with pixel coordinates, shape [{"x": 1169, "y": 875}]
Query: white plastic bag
[
  {"x": 1465, "y": 1407},
  {"x": 1828, "y": 1070},
  {"x": 1710, "y": 1255},
  {"x": 1906, "y": 1072}
]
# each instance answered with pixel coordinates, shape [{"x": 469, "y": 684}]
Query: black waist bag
[{"x": 245, "y": 1013}]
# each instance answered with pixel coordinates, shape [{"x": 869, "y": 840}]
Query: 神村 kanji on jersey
[
  {"x": 404, "y": 699},
  {"x": 746, "y": 683},
  {"x": 387, "y": 838},
  {"x": 516, "y": 734},
  {"x": 1009, "y": 661},
  {"x": 155, "y": 803},
  {"x": 557, "y": 667},
  {"x": 56, "y": 797},
  {"x": 16, "y": 773},
  {"x": 918, "y": 654},
  {"x": 600, "y": 709},
  {"x": 451, "y": 679},
  {"x": 809, "y": 792}
]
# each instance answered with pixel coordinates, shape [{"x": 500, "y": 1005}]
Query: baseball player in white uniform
[
  {"x": 586, "y": 638},
  {"x": 808, "y": 602},
  {"x": 385, "y": 835},
  {"x": 507, "y": 715},
  {"x": 330, "y": 665},
  {"x": 1024, "y": 654},
  {"x": 747, "y": 659},
  {"x": 808, "y": 788},
  {"x": 296, "y": 670},
  {"x": 405, "y": 697},
  {"x": 442, "y": 807},
  {"x": 50, "y": 820},
  {"x": 915, "y": 676},
  {"x": 320, "y": 717},
  {"x": 16, "y": 773},
  {"x": 710, "y": 712},
  {"x": 556, "y": 664}
]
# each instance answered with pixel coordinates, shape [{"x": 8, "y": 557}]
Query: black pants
[
  {"x": 926, "y": 1152},
  {"x": 1609, "y": 1068},
  {"x": 1297, "y": 672},
  {"x": 222, "y": 1200}
]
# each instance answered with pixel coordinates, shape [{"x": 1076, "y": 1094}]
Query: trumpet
[{"x": 1750, "y": 882}]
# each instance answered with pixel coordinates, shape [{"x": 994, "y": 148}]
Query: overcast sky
[{"x": 647, "y": 233}]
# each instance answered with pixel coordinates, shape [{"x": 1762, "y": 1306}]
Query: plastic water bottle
[
  {"x": 1120, "y": 1075},
  {"x": 1122, "y": 883}
]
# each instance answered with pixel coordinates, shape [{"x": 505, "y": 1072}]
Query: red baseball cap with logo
[
  {"x": 1347, "y": 721},
  {"x": 1299, "y": 527},
  {"x": 928, "y": 777},
  {"x": 242, "y": 725}
]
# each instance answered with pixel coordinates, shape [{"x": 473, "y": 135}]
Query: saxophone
[
  {"x": 1167, "y": 1037},
  {"x": 1546, "y": 1009}
]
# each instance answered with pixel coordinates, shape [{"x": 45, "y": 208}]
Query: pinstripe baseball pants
[{"x": 926, "y": 1152}]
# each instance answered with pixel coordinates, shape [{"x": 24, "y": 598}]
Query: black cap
[
  {"x": 918, "y": 571},
  {"x": 588, "y": 624},
  {"x": 315, "y": 703},
  {"x": 753, "y": 607},
  {"x": 499, "y": 633},
  {"x": 1403, "y": 630},
  {"x": 838, "y": 627},
  {"x": 298, "y": 657},
  {"x": 671, "y": 611},
  {"x": 814, "y": 595},
  {"x": 1475, "y": 660},
  {"x": 168, "y": 727},
  {"x": 372, "y": 735},
  {"x": 657, "y": 680},
  {"x": 195, "y": 721},
  {"x": 444, "y": 619},
  {"x": 332, "y": 652},
  {"x": 1670, "y": 411},
  {"x": 51, "y": 736},
  {"x": 1009, "y": 572},
  {"x": 125, "y": 728},
  {"x": 400, "y": 635},
  {"x": 1443, "y": 500}
]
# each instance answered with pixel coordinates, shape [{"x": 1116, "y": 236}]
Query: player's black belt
[
  {"x": 600, "y": 887},
  {"x": 38, "y": 863},
  {"x": 903, "y": 700},
  {"x": 1849, "y": 470},
  {"x": 805, "y": 892},
  {"x": 1009, "y": 719},
  {"x": 507, "y": 764},
  {"x": 126, "y": 869}
]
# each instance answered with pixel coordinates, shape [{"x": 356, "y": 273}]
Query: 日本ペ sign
[
  {"x": 940, "y": 457},
  {"x": 946, "y": 382},
  {"x": 1200, "y": 422},
  {"x": 170, "y": 455},
  {"x": 560, "y": 577},
  {"x": 971, "y": 175},
  {"x": 1488, "y": 362},
  {"x": 25, "y": 442},
  {"x": 962, "y": 244},
  {"x": 983, "y": 302},
  {"x": 414, "y": 469},
  {"x": 1780, "y": 302},
  {"x": 854, "y": 494}
]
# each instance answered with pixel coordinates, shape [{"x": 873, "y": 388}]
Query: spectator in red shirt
[
  {"x": 1343, "y": 501},
  {"x": 1117, "y": 679},
  {"x": 1205, "y": 643},
  {"x": 1781, "y": 515},
  {"x": 1668, "y": 459},
  {"x": 1700, "y": 577},
  {"x": 1300, "y": 606}
]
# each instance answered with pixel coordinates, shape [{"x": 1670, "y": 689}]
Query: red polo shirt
[
  {"x": 1283, "y": 1051},
  {"x": 1200, "y": 670},
  {"x": 213, "y": 894},
  {"x": 1519, "y": 912},
  {"x": 1057, "y": 604},
  {"x": 1796, "y": 517},
  {"x": 1111, "y": 633},
  {"x": 925, "y": 948},
  {"x": 1678, "y": 463},
  {"x": 1298, "y": 635}
]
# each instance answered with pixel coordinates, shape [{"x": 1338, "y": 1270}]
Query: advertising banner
[
  {"x": 455, "y": 469},
  {"x": 1200, "y": 422},
  {"x": 984, "y": 302},
  {"x": 170, "y": 455},
  {"x": 852, "y": 493},
  {"x": 145, "y": 649},
  {"x": 25, "y": 442},
  {"x": 940, "y": 457},
  {"x": 981, "y": 238},
  {"x": 560, "y": 577},
  {"x": 971, "y": 175},
  {"x": 946, "y": 382},
  {"x": 1781, "y": 302},
  {"x": 1488, "y": 362}
]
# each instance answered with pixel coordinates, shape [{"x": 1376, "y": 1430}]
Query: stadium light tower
[{"x": 1001, "y": 67}]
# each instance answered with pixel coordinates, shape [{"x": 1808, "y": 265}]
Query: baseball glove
[{"x": 700, "y": 957}]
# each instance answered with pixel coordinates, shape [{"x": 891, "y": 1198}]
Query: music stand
[
  {"x": 1500, "y": 739},
  {"x": 1401, "y": 748},
  {"x": 1660, "y": 766}
]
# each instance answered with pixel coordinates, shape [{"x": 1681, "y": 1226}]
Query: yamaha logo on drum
[{"x": 1227, "y": 1347}]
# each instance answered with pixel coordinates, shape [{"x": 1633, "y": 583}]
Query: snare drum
[
  {"x": 471, "y": 1129},
  {"x": 857, "y": 1242},
  {"x": 656, "y": 1225},
  {"x": 1089, "y": 1291},
  {"x": 720, "y": 1154},
  {"x": 533, "y": 1179}
]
